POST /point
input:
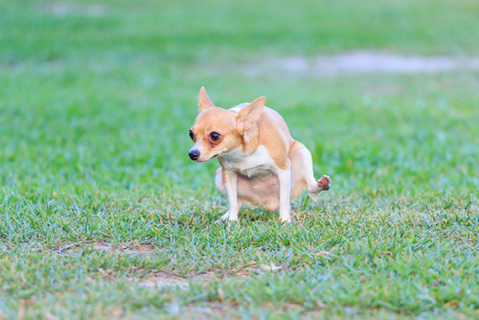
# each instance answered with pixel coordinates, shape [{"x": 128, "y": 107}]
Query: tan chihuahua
[{"x": 260, "y": 163}]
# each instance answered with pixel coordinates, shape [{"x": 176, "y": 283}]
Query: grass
[{"x": 94, "y": 116}]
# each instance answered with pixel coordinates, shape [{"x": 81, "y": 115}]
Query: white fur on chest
[{"x": 259, "y": 163}]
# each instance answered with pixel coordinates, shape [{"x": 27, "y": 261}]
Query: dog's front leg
[
  {"x": 231, "y": 184},
  {"x": 284, "y": 177}
]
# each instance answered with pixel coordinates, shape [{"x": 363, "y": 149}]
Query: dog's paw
[
  {"x": 223, "y": 217},
  {"x": 285, "y": 220},
  {"x": 324, "y": 183}
]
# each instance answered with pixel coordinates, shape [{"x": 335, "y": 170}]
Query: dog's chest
[{"x": 256, "y": 164}]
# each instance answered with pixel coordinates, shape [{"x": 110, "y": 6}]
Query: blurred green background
[
  {"x": 101, "y": 96},
  {"x": 96, "y": 99}
]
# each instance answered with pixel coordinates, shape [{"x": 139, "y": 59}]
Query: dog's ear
[
  {"x": 247, "y": 116},
  {"x": 204, "y": 100}
]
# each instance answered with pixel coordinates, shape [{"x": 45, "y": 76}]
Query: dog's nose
[{"x": 194, "y": 155}]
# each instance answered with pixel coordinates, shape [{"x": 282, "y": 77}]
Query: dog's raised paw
[{"x": 324, "y": 183}]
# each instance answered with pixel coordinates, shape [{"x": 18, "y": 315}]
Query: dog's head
[{"x": 217, "y": 130}]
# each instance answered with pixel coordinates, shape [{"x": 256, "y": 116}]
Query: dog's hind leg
[{"x": 302, "y": 172}]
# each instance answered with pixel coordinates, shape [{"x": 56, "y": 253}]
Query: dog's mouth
[{"x": 202, "y": 160}]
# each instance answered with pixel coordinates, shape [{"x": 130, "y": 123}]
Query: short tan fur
[{"x": 260, "y": 163}]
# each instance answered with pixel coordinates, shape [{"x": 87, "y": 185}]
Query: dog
[{"x": 261, "y": 165}]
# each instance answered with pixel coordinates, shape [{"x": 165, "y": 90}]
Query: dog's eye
[
  {"x": 214, "y": 136},
  {"x": 192, "y": 135}
]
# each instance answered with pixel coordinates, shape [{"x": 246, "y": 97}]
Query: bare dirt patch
[
  {"x": 63, "y": 9},
  {"x": 159, "y": 279},
  {"x": 358, "y": 62},
  {"x": 162, "y": 280},
  {"x": 210, "y": 310},
  {"x": 128, "y": 248},
  {"x": 156, "y": 279}
]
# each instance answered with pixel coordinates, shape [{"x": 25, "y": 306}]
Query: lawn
[{"x": 103, "y": 215}]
